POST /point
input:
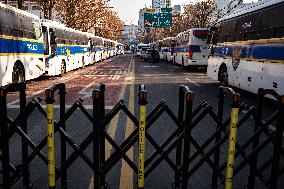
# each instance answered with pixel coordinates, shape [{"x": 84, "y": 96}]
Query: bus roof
[
  {"x": 59, "y": 25},
  {"x": 189, "y": 30},
  {"x": 16, "y": 10},
  {"x": 250, "y": 8}
]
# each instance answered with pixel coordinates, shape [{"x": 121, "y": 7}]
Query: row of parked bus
[
  {"x": 188, "y": 48},
  {"x": 31, "y": 47},
  {"x": 244, "y": 49}
]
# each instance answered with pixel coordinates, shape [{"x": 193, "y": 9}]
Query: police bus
[
  {"x": 98, "y": 47},
  {"x": 248, "y": 50},
  {"x": 120, "y": 48},
  {"x": 191, "y": 48},
  {"x": 21, "y": 46},
  {"x": 65, "y": 49},
  {"x": 166, "y": 48}
]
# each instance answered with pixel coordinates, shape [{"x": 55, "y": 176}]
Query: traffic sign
[{"x": 160, "y": 19}]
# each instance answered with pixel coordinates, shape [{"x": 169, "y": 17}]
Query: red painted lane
[{"x": 81, "y": 82}]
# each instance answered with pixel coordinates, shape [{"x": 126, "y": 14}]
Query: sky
[{"x": 128, "y": 10}]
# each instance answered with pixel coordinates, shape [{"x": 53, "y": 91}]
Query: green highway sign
[{"x": 163, "y": 18}]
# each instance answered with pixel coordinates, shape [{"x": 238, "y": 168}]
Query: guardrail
[{"x": 182, "y": 141}]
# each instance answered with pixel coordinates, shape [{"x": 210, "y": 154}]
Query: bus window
[
  {"x": 45, "y": 40},
  {"x": 198, "y": 37},
  {"x": 37, "y": 31}
]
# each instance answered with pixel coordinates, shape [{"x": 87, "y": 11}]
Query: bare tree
[
  {"x": 81, "y": 14},
  {"x": 47, "y": 7},
  {"x": 199, "y": 14},
  {"x": 20, "y": 4},
  {"x": 90, "y": 15},
  {"x": 110, "y": 26}
]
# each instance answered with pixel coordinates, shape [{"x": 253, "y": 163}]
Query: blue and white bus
[
  {"x": 21, "y": 46},
  {"x": 98, "y": 47},
  {"x": 65, "y": 49},
  {"x": 191, "y": 48},
  {"x": 248, "y": 50},
  {"x": 166, "y": 48}
]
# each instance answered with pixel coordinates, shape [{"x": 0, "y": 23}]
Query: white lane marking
[
  {"x": 196, "y": 84},
  {"x": 41, "y": 91},
  {"x": 149, "y": 66},
  {"x": 85, "y": 90},
  {"x": 116, "y": 77},
  {"x": 87, "y": 107}
]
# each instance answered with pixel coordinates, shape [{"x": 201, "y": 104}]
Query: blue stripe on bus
[
  {"x": 61, "y": 50},
  {"x": 19, "y": 46},
  {"x": 256, "y": 51},
  {"x": 99, "y": 49},
  {"x": 167, "y": 50},
  {"x": 194, "y": 48}
]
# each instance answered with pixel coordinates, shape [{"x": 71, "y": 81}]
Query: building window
[{"x": 35, "y": 8}]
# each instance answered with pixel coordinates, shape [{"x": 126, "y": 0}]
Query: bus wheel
[
  {"x": 223, "y": 76},
  {"x": 63, "y": 67},
  {"x": 18, "y": 73}
]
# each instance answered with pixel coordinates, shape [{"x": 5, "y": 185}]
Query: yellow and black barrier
[
  {"x": 184, "y": 138},
  {"x": 50, "y": 138},
  {"x": 232, "y": 142},
  {"x": 141, "y": 141}
]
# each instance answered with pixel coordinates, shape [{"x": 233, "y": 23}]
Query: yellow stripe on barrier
[
  {"x": 231, "y": 148},
  {"x": 141, "y": 145},
  {"x": 50, "y": 146}
]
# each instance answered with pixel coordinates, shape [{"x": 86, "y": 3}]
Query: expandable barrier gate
[{"x": 186, "y": 161}]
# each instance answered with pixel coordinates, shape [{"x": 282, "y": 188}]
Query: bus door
[
  {"x": 45, "y": 40},
  {"x": 52, "y": 42}
]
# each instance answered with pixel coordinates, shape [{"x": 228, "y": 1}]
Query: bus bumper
[{"x": 196, "y": 62}]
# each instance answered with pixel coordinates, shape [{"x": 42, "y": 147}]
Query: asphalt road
[{"x": 122, "y": 76}]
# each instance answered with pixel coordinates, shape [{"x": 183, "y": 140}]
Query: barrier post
[
  {"x": 277, "y": 141},
  {"x": 50, "y": 138},
  {"x": 96, "y": 142},
  {"x": 232, "y": 141},
  {"x": 4, "y": 139},
  {"x": 259, "y": 104},
  {"x": 221, "y": 97},
  {"x": 141, "y": 141},
  {"x": 186, "y": 143},
  {"x": 62, "y": 94},
  {"x": 179, "y": 145},
  {"x": 23, "y": 121},
  {"x": 102, "y": 137}
]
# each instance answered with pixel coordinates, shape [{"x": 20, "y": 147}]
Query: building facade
[
  {"x": 129, "y": 34},
  {"x": 33, "y": 7},
  {"x": 161, "y": 3}
]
